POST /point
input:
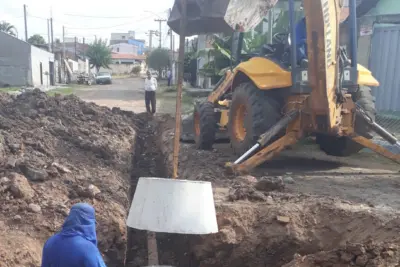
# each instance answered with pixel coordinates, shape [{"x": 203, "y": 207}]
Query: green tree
[
  {"x": 158, "y": 59},
  {"x": 36, "y": 39},
  {"x": 8, "y": 28},
  {"x": 99, "y": 55},
  {"x": 136, "y": 69}
]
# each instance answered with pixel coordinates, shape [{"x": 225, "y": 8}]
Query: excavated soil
[
  {"x": 55, "y": 152},
  {"x": 302, "y": 209}
]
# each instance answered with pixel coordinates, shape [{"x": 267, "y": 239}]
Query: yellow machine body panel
[
  {"x": 365, "y": 77},
  {"x": 265, "y": 73},
  {"x": 322, "y": 22}
]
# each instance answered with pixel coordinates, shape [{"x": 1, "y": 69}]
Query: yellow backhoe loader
[{"x": 271, "y": 100}]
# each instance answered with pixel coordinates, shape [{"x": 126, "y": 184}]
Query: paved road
[{"x": 127, "y": 94}]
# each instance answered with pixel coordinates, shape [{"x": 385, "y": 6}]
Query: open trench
[
  {"x": 261, "y": 224},
  {"x": 147, "y": 161}
]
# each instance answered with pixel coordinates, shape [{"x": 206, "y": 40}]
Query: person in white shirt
[
  {"x": 169, "y": 76},
  {"x": 150, "y": 87}
]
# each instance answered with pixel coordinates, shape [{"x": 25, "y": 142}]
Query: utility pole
[
  {"x": 26, "y": 25},
  {"x": 171, "y": 35},
  {"x": 151, "y": 32},
  {"x": 159, "y": 22},
  {"x": 48, "y": 35},
  {"x": 63, "y": 57},
  {"x": 51, "y": 30},
  {"x": 52, "y": 34},
  {"x": 76, "y": 55}
]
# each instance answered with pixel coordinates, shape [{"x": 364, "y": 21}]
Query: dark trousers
[
  {"x": 169, "y": 81},
  {"x": 150, "y": 98}
]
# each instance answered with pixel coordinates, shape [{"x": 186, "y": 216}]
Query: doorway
[
  {"x": 51, "y": 72},
  {"x": 41, "y": 73}
]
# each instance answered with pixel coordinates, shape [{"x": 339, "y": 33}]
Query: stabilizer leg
[
  {"x": 264, "y": 154},
  {"x": 377, "y": 148}
]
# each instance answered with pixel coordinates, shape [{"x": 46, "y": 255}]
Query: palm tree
[{"x": 8, "y": 28}]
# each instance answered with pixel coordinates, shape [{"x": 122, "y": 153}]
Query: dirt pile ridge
[
  {"x": 284, "y": 219},
  {"x": 55, "y": 152},
  {"x": 263, "y": 226}
]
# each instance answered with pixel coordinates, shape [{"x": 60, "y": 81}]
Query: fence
[{"x": 384, "y": 64}]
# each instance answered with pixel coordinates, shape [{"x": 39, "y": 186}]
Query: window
[
  {"x": 345, "y": 3},
  {"x": 123, "y": 36},
  {"x": 117, "y": 49}
]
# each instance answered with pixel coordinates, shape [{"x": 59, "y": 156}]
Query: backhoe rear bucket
[{"x": 220, "y": 16}]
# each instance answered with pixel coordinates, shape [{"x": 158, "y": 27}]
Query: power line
[
  {"x": 105, "y": 17},
  {"x": 94, "y": 28},
  {"x": 109, "y": 27}
]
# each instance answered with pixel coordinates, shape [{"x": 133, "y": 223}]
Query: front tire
[
  {"x": 344, "y": 146},
  {"x": 251, "y": 114},
  {"x": 205, "y": 125}
]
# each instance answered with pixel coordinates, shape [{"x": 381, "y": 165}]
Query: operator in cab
[{"x": 301, "y": 41}]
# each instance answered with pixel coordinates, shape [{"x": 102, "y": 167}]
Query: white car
[{"x": 103, "y": 78}]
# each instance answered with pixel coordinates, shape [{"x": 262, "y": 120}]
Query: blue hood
[
  {"x": 76, "y": 244},
  {"x": 81, "y": 221}
]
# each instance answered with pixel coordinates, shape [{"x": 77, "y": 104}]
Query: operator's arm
[
  {"x": 155, "y": 83},
  {"x": 301, "y": 31}
]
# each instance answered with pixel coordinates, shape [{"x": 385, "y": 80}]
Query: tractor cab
[{"x": 278, "y": 50}]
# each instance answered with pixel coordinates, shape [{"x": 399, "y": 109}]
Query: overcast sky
[{"x": 88, "y": 18}]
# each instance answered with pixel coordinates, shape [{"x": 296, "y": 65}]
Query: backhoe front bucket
[{"x": 220, "y": 16}]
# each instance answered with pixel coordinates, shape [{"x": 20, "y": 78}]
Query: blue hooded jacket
[{"x": 76, "y": 244}]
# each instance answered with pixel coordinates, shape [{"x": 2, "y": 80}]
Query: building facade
[
  {"x": 124, "y": 48},
  {"x": 117, "y": 38},
  {"x": 22, "y": 64}
]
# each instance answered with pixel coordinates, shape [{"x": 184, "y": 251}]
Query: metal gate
[{"x": 384, "y": 62}]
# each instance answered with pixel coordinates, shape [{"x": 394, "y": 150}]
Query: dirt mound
[
  {"x": 370, "y": 254},
  {"x": 271, "y": 228},
  {"x": 55, "y": 152},
  {"x": 278, "y": 220}
]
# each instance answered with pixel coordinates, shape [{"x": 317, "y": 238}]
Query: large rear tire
[
  {"x": 205, "y": 125},
  {"x": 252, "y": 113},
  {"x": 344, "y": 146}
]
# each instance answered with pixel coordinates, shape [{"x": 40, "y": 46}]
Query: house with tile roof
[{"x": 123, "y": 63}]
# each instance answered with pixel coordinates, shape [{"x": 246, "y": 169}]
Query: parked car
[{"x": 103, "y": 78}]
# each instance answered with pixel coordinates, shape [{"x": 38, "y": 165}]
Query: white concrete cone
[{"x": 173, "y": 206}]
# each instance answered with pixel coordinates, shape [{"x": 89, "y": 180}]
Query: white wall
[
  {"x": 83, "y": 66},
  {"x": 121, "y": 69},
  {"x": 74, "y": 65},
  {"x": 124, "y": 48},
  {"x": 40, "y": 56}
]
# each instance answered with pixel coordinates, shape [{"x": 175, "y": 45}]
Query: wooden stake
[
  {"x": 179, "y": 90},
  {"x": 152, "y": 249}
]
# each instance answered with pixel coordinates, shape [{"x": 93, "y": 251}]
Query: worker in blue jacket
[{"x": 76, "y": 244}]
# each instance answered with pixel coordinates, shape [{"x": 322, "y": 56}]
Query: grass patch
[
  {"x": 62, "y": 91},
  {"x": 168, "y": 102},
  {"x": 122, "y": 76},
  {"x": 9, "y": 89}
]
